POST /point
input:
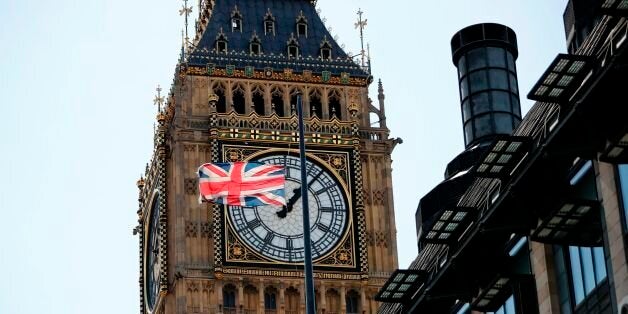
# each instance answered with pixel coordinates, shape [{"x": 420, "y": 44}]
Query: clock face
[
  {"x": 277, "y": 232},
  {"x": 152, "y": 267}
]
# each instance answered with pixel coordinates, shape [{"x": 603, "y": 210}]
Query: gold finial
[
  {"x": 361, "y": 24},
  {"x": 140, "y": 183},
  {"x": 159, "y": 100},
  {"x": 186, "y": 11}
]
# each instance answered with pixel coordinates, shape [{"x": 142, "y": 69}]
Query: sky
[{"x": 77, "y": 79}]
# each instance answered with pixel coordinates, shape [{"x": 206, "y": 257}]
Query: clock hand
[
  {"x": 288, "y": 207},
  {"x": 295, "y": 197}
]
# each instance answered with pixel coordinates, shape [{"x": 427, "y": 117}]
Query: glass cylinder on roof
[{"x": 485, "y": 56}]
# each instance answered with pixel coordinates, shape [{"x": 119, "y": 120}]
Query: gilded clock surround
[{"x": 343, "y": 255}]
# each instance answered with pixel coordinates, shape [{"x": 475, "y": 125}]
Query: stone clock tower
[{"x": 233, "y": 99}]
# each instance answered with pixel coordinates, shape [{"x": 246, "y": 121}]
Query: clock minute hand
[{"x": 297, "y": 192}]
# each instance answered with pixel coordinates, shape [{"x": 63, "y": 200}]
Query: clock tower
[{"x": 233, "y": 99}]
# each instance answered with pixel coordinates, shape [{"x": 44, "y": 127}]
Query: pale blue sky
[{"x": 76, "y": 85}]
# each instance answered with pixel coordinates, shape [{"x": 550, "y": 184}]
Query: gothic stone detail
[
  {"x": 191, "y": 229},
  {"x": 190, "y": 186}
]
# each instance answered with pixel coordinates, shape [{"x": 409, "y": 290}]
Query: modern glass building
[{"x": 533, "y": 216}]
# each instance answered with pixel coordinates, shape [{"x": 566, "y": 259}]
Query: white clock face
[{"x": 277, "y": 232}]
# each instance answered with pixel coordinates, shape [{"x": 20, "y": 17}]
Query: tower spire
[
  {"x": 159, "y": 100},
  {"x": 361, "y": 24},
  {"x": 185, "y": 11}
]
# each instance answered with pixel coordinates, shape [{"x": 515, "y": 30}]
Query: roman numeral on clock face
[
  {"x": 254, "y": 223},
  {"x": 322, "y": 227}
]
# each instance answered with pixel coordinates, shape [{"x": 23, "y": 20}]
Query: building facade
[
  {"x": 233, "y": 99},
  {"x": 532, "y": 216}
]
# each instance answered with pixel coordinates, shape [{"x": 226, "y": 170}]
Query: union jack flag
[{"x": 242, "y": 184}]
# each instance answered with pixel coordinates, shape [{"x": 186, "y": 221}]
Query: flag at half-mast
[{"x": 242, "y": 184}]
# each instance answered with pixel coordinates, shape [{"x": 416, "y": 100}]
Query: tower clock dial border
[{"x": 349, "y": 235}]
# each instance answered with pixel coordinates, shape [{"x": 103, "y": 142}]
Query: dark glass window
[
  {"x": 513, "y": 84},
  {"x": 483, "y": 125},
  {"x": 221, "y": 46},
  {"x": 269, "y": 27},
  {"x": 228, "y": 297},
  {"x": 464, "y": 89},
  {"x": 476, "y": 58},
  {"x": 462, "y": 66},
  {"x": 480, "y": 103},
  {"x": 236, "y": 24},
  {"x": 478, "y": 81},
  {"x": 258, "y": 103},
  {"x": 516, "y": 107},
  {"x": 277, "y": 101},
  {"x": 466, "y": 111},
  {"x": 293, "y": 51},
  {"x": 503, "y": 123},
  {"x": 468, "y": 132},
  {"x": 501, "y": 101},
  {"x": 316, "y": 106},
  {"x": 238, "y": 101},
  {"x": 334, "y": 108},
  {"x": 326, "y": 53},
  {"x": 352, "y": 302},
  {"x": 622, "y": 171},
  {"x": 579, "y": 270},
  {"x": 270, "y": 301},
  {"x": 588, "y": 269},
  {"x": 302, "y": 29},
  {"x": 498, "y": 79},
  {"x": 511, "y": 61},
  {"x": 507, "y": 308},
  {"x": 256, "y": 48},
  {"x": 496, "y": 57},
  {"x": 221, "y": 105}
]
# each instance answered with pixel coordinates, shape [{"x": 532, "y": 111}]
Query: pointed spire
[
  {"x": 361, "y": 24},
  {"x": 382, "y": 109}
]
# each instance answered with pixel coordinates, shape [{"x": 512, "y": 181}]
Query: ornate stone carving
[
  {"x": 206, "y": 230},
  {"x": 190, "y": 186},
  {"x": 191, "y": 229}
]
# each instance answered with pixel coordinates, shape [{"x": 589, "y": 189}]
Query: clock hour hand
[
  {"x": 295, "y": 197},
  {"x": 288, "y": 207}
]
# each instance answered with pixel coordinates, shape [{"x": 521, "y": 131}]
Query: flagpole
[{"x": 310, "y": 301}]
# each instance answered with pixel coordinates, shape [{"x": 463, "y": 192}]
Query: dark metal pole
[{"x": 310, "y": 301}]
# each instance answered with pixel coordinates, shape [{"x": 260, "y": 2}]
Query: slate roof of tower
[{"x": 274, "y": 47}]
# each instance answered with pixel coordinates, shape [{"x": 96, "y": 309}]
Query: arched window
[
  {"x": 277, "y": 101},
  {"x": 238, "y": 99},
  {"x": 270, "y": 298},
  {"x": 352, "y": 300},
  {"x": 269, "y": 24},
  {"x": 293, "y": 47},
  {"x": 221, "y": 105},
  {"x": 334, "y": 105},
  {"x": 292, "y": 300},
  {"x": 221, "y": 42},
  {"x": 315, "y": 104},
  {"x": 251, "y": 299},
  {"x": 301, "y": 25},
  {"x": 228, "y": 298},
  {"x": 325, "y": 50},
  {"x": 255, "y": 46},
  {"x": 332, "y": 298},
  {"x": 236, "y": 20},
  {"x": 293, "y": 99},
  {"x": 258, "y": 100}
]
